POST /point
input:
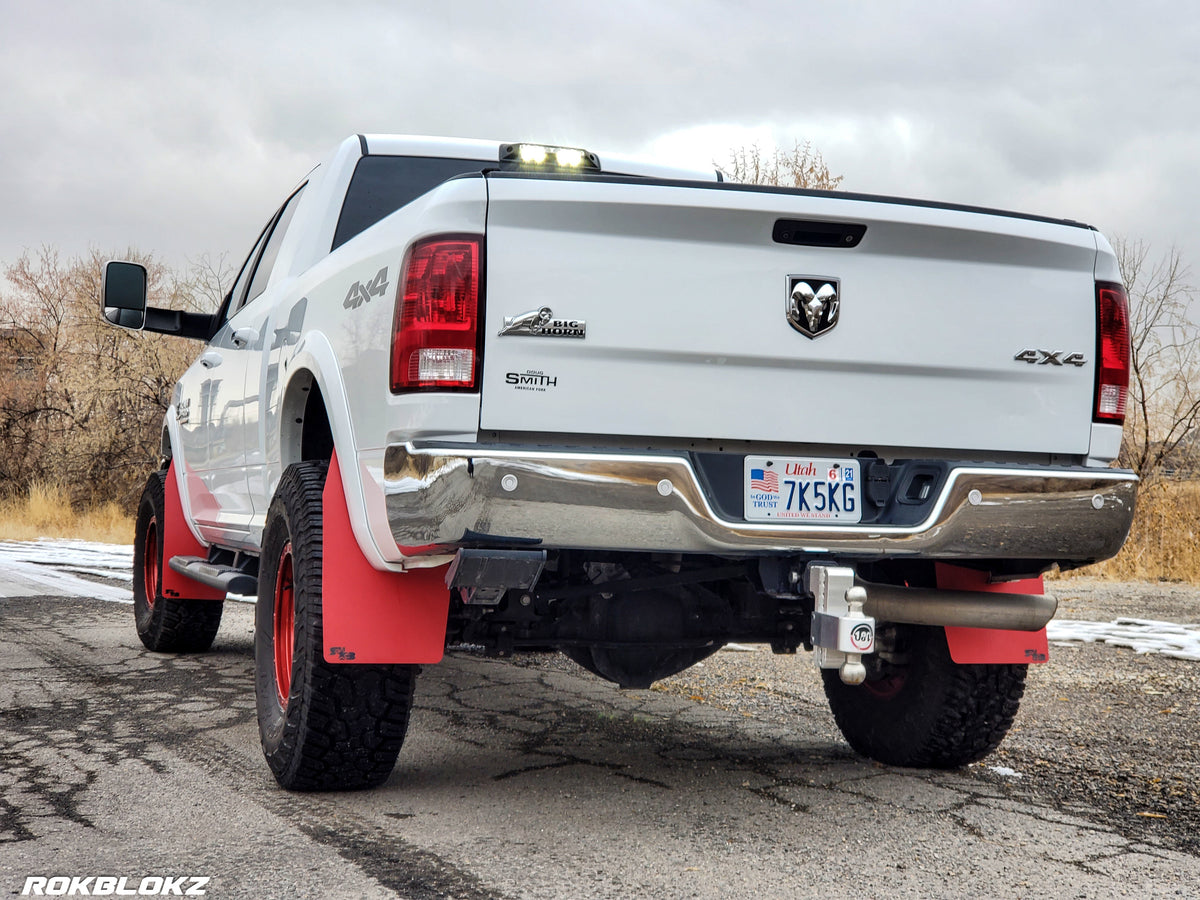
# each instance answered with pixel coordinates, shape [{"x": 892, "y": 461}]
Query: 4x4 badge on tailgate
[
  {"x": 813, "y": 304},
  {"x": 541, "y": 323}
]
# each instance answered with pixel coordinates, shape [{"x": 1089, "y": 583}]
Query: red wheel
[
  {"x": 887, "y": 687},
  {"x": 150, "y": 562},
  {"x": 165, "y": 624},
  {"x": 285, "y": 625}
]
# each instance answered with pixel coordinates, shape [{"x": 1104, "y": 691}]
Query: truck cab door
[
  {"x": 254, "y": 338},
  {"x": 229, "y": 393}
]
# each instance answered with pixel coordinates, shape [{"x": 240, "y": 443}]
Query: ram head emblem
[{"x": 813, "y": 304}]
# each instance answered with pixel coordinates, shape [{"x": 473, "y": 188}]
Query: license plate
[{"x": 802, "y": 489}]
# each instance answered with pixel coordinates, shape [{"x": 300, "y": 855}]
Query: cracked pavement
[{"x": 526, "y": 779}]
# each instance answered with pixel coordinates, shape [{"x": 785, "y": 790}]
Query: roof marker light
[
  {"x": 567, "y": 156},
  {"x": 532, "y": 154},
  {"x": 543, "y": 156}
]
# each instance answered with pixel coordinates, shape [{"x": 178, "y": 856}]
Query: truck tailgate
[{"x": 682, "y": 293}]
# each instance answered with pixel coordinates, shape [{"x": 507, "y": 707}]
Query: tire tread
[
  {"x": 947, "y": 715},
  {"x": 345, "y": 723}
]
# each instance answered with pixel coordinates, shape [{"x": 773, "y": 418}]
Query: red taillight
[
  {"x": 1112, "y": 351},
  {"x": 435, "y": 335}
]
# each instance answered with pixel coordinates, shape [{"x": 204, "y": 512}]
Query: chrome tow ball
[{"x": 841, "y": 632}]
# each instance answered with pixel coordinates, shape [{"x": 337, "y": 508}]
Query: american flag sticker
[{"x": 764, "y": 480}]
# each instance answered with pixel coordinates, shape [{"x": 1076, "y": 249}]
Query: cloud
[{"x": 179, "y": 127}]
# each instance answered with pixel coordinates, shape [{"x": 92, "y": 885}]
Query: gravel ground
[{"x": 1103, "y": 733}]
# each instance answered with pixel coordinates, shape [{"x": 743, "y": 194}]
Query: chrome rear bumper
[{"x": 438, "y": 498}]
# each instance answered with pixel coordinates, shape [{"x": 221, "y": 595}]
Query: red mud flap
[
  {"x": 372, "y": 616},
  {"x": 178, "y": 540},
  {"x": 990, "y": 645}
]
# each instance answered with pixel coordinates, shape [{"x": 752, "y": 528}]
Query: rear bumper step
[{"x": 440, "y": 498}]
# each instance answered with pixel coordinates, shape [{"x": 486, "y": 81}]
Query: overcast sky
[{"x": 178, "y": 127}]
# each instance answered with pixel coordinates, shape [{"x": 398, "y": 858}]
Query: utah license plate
[{"x": 797, "y": 488}]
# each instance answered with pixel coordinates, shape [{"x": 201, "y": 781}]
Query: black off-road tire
[
  {"x": 324, "y": 727},
  {"x": 931, "y": 712},
  {"x": 165, "y": 624}
]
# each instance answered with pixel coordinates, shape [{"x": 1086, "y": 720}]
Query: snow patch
[
  {"x": 1006, "y": 771},
  {"x": 57, "y": 568},
  {"x": 1139, "y": 635},
  {"x": 738, "y": 648}
]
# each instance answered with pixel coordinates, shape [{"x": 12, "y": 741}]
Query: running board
[{"x": 230, "y": 579}]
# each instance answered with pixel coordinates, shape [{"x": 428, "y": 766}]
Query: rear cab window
[{"x": 383, "y": 184}]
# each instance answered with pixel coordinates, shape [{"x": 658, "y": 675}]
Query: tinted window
[
  {"x": 383, "y": 184},
  {"x": 266, "y": 260},
  {"x": 239, "y": 287}
]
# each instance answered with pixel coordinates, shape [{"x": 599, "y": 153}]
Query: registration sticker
[{"x": 802, "y": 489}]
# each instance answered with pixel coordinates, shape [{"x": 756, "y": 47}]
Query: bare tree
[
  {"x": 801, "y": 167},
  {"x": 81, "y": 402},
  {"x": 1163, "y": 412},
  {"x": 205, "y": 284}
]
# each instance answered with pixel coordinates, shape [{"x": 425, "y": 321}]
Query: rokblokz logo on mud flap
[{"x": 115, "y": 886}]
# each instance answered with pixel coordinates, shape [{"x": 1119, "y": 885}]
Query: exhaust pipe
[
  {"x": 967, "y": 609},
  {"x": 847, "y": 610}
]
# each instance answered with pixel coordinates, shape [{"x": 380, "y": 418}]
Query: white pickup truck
[{"x": 515, "y": 396}]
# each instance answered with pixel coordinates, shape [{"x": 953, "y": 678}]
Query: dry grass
[
  {"x": 46, "y": 511},
  {"x": 1163, "y": 543}
]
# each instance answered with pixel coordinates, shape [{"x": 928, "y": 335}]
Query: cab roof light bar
[{"x": 550, "y": 158}]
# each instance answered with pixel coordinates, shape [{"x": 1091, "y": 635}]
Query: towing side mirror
[{"x": 123, "y": 294}]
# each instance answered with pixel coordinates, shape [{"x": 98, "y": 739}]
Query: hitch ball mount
[{"x": 841, "y": 632}]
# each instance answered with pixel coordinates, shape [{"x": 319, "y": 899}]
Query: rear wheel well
[
  {"x": 305, "y": 432},
  {"x": 316, "y": 441}
]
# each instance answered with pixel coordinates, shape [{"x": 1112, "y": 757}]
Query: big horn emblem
[{"x": 812, "y": 304}]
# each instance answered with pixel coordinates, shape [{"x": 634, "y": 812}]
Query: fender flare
[
  {"x": 177, "y": 473},
  {"x": 315, "y": 355},
  {"x": 180, "y": 541}
]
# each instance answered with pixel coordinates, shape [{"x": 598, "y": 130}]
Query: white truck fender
[
  {"x": 315, "y": 355},
  {"x": 172, "y": 425}
]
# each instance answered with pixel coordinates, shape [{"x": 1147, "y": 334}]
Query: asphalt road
[{"x": 518, "y": 781}]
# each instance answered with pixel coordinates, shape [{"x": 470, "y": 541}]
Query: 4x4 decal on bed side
[{"x": 360, "y": 293}]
